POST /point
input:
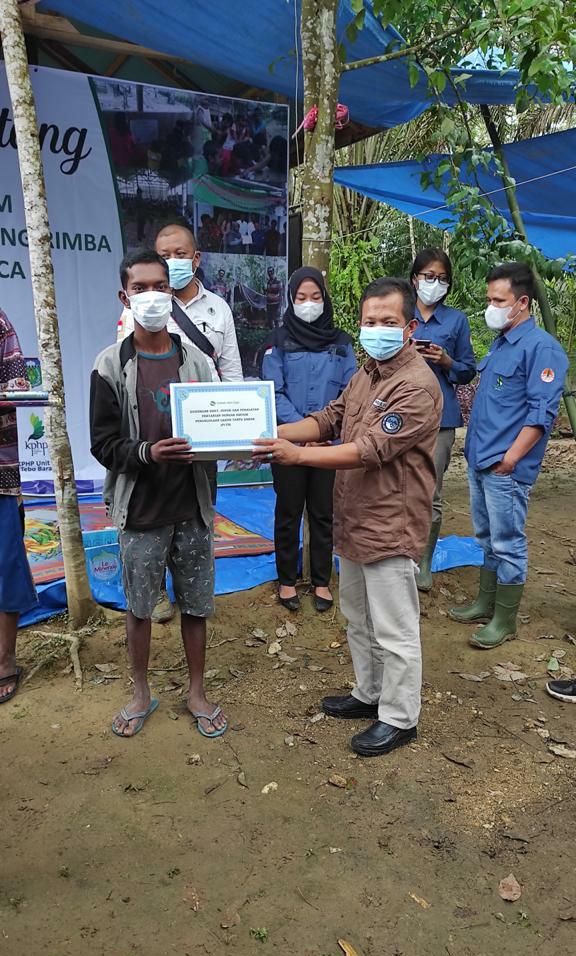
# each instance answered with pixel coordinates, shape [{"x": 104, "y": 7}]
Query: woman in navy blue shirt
[
  {"x": 443, "y": 339},
  {"x": 310, "y": 362}
]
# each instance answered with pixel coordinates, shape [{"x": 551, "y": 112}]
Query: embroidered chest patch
[{"x": 392, "y": 424}]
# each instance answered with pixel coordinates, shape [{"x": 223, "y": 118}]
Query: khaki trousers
[
  {"x": 442, "y": 456},
  {"x": 380, "y": 602}
]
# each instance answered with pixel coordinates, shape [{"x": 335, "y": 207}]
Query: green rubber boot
[
  {"x": 424, "y": 576},
  {"x": 502, "y": 627},
  {"x": 482, "y": 608}
]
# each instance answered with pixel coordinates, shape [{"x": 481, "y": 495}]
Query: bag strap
[{"x": 192, "y": 332}]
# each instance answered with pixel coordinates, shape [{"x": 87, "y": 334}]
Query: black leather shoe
[
  {"x": 381, "y": 738},
  {"x": 322, "y": 604},
  {"x": 348, "y": 708},
  {"x": 290, "y": 603}
]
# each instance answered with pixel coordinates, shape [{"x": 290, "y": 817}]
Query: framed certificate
[{"x": 222, "y": 419}]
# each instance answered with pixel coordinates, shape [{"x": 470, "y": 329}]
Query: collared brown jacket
[{"x": 392, "y": 411}]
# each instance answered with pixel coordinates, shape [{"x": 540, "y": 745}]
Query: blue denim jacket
[
  {"x": 306, "y": 382},
  {"x": 449, "y": 328},
  {"x": 521, "y": 384}
]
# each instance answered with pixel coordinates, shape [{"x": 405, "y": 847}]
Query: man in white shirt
[
  {"x": 211, "y": 316},
  {"x": 246, "y": 229}
]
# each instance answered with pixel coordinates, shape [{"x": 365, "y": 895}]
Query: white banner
[{"x": 86, "y": 252}]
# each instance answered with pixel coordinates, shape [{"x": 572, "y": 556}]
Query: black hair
[
  {"x": 137, "y": 257},
  {"x": 179, "y": 224},
  {"x": 519, "y": 275},
  {"x": 380, "y": 288},
  {"x": 428, "y": 255}
]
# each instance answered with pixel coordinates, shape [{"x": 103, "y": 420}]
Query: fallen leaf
[
  {"x": 106, "y": 668},
  {"x": 274, "y": 648},
  {"x": 546, "y": 637},
  {"x": 552, "y": 666},
  {"x": 446, "y": 592},
  {"x": 559, "y": 653},
  {"x": 337, "y": 780},
  {"x": 315, "y": 667},
  {"x": 281, "y": 631},
  {"x": 347, "y": 948},
  {"x": 250, "y": 643},
  {"x": 259, "y": 634},
  {"x": 289, "y": 740},
  {"x": 509, "y": 889},
  {"x": 191, "y": 897},
  {"x": 193, "y": 760},
  {"x": 285, "y": 658},
  {"x": 542, "y": 732},
  {"x": 508, "y": 671},
  {"x": 316, "y": 718},
  {"x": 211, "y": 674},
  {"x": 172, "y": 715},
  {"x": 421, "y": 902},
  {"x": 235, "y": 672},
  {"x": 524, "y": 618},
  {"x": 567, "y": 916},
  {"x": 475, "y": 677},
  {"x": 570, "y": 638},
  {"x": 459, "y": 761},
  {"x": 241, "y": 778},
  {"x": 335, "y": 644},
  {"x": 561, "y": 750},
  {"x": 335, "y": 849},
  {"x": 291, "y": 628},
  {"x": 270, "y": 787}
]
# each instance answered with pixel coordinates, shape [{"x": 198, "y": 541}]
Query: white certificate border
[{"x": 179, "y": 391}]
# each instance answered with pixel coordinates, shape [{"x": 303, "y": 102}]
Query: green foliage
[{"x": 356, "y": 261}]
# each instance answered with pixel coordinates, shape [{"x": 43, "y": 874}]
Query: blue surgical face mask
[
  {"x": 181, "y": 272},
  {"x": 382, "y": 342}
]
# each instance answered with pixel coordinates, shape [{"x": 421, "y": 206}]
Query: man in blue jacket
[{"x": 515, "y": 407}]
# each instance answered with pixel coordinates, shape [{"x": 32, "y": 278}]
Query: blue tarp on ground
[
  {"x": 255, "y": 43},
  {"x": 253, "y": 508},
  {"x": 546, "y": 191}
]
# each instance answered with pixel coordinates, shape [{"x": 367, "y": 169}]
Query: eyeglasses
[{"x": 431, "y": 277}]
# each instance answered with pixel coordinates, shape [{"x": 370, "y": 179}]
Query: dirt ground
[{"x": 166, "y": 844}]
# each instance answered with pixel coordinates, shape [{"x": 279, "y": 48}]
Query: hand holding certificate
[{"x": 221, "y": 419}]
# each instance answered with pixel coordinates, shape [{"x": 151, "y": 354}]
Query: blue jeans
[{"x": 499, "y": 505}]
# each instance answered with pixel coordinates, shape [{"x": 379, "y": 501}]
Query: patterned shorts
[{"x": 187, "y": 549}]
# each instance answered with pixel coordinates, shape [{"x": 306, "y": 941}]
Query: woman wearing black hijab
[{"x": 310, "y": 362}]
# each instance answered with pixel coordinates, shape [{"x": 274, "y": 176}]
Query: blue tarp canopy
[
  {"x": 255, "y": 42},
  {"x": 545, "y": 172}
]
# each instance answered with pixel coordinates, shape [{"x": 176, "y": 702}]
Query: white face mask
[
  {"x": 498, "y": 318},
  {"x": 431, "y": 292},
  {"x": 308, "y": 311},
  {"x": 151, "y": 310}
]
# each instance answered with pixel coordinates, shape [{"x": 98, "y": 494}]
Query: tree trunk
[
  {"x": 516, "y": 215},
  {"x": 80, "y": 604},
  {"x": 321, "y": 70}
]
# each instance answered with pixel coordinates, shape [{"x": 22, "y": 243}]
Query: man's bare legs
[
  {"x": 194, "y": 640},
  {"x": 138, "y": 632},
  {"x": 8, "y": 633}
]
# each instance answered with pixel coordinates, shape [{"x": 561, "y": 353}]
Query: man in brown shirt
[{"x": 387, "y": 419}]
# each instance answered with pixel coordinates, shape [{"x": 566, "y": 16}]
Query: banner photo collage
[
  {"x": 122, "y": 159},
  {"x": 221, "y": 166}
]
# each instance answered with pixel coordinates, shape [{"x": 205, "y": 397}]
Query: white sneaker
[{"x": 164, "y": 610}]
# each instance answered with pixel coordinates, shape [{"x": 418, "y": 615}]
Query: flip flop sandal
[
  {"x": 15, "y": 677},
  {"x": 140, "y": 716},
  {"x": 210, "y": 717}
]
